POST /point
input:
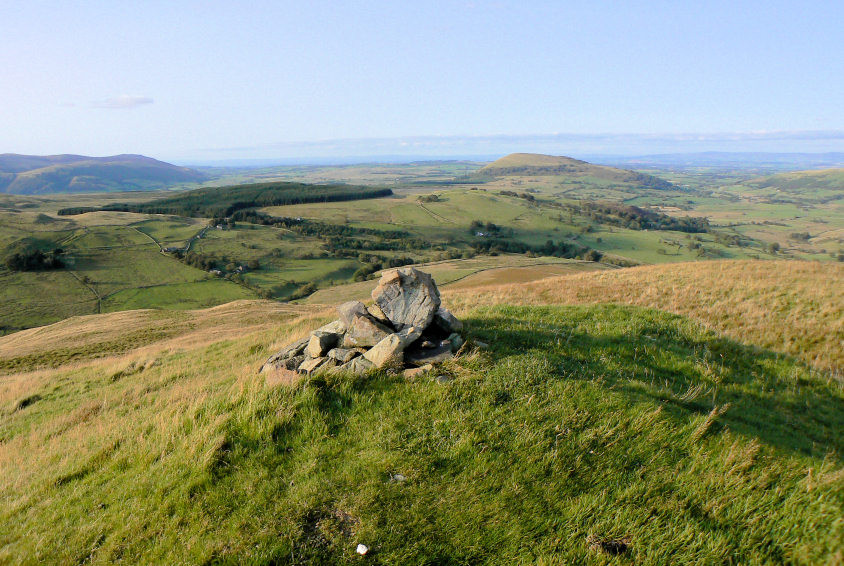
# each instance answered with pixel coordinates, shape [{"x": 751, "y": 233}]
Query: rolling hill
[
  {"x": 581, "y": 432},
  {"x": 533, "y": 164},
  {"x": 33, "y": 175},
  {"x": 828, "y": 180}
]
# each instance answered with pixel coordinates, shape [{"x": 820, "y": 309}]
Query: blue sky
[{"x": 199, "y": 81}]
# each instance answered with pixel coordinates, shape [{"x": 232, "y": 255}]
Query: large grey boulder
[
  {"x": 407, "y": 297},
  {"x": 364, "y": 332}
]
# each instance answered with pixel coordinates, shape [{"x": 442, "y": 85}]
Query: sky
[{"x": 196, "y": 82}]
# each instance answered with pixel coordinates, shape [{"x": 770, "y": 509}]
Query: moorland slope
[
  {"x": 581, "y": 431},
  {"x": 792, "y": 307}
]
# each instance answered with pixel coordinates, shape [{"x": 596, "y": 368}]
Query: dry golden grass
[
  {"x": 788, "y": 306},
  {"x": 82, "y": 338}
]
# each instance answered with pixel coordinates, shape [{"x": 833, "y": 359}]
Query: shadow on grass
[{"x": 657, "y": 357}]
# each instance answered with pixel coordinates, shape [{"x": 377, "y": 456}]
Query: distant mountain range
[{"x": 36, "y": 174}]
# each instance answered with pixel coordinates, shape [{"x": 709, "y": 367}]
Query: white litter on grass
[{"x": 362, "y": 549}]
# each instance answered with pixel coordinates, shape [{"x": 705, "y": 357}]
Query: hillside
[
  {"x": 532, "y": 164},
  {"x": 827, "y": 180},
  {"x": 33, "y": 175},
  {"x": 787, "y": 306},
  {"x": 581, "y": 431}
]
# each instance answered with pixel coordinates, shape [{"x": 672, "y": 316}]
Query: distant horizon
[{"x": 485, "y": 146}]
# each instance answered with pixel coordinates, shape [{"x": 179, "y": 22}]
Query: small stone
[
  {"x": 343, "y": 355},
  {"x": 320, "y": 342},
  {"x": 376, "y": 313},
  {"x": 447, "y": 321},
  {"x": 293, "y": 363},
  {"x": 443, "y": 378},
  {"x": 348, "y": 312},
  {"x": 398, "y": 478},
  {"x": 456, "y": 341},
  {"x": 296, "y": 348},
  {"x": 410, "y": 373},
  {"x": 310, "y": 366},
  {"x": 389, "y": 350},
  {"x": 362, "y": 549}
]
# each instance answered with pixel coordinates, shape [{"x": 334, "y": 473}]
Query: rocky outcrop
[{"x": 405, "y": 327}]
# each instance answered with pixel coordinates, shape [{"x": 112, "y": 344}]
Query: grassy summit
[
  {"x": 580, "y": 426},
  {"x": 533, "y": 164}
]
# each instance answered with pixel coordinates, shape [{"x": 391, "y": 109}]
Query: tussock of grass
[{"x": 580, "y": 430}]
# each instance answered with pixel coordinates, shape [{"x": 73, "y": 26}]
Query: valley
[{"x": 126, "y": 254}]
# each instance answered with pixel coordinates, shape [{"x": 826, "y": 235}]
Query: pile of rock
[{"x": 404, "y": 327}]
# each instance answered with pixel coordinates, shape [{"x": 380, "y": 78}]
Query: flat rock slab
[
  {"x": 310, "y": 366},
  {"x": 364, "y": 332},
  {"x": 357, "y": 366},
  {"x": 407, "y": 297},
  {"x": 424, "y": 356}
]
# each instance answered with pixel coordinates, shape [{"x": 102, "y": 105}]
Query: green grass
[
  {"x": 616, "y": 422},
  {"x": 170, "y": 231},
  {"x": 177, "y": 296},
  {"x": 32, "y": 299}
]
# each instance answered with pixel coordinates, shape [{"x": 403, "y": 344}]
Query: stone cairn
[{"x": 404, "y": 328}]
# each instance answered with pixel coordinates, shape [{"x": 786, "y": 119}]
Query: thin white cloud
[
  {"x": 122, "y": 102},
  {"x": 559, "y": 142}
]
